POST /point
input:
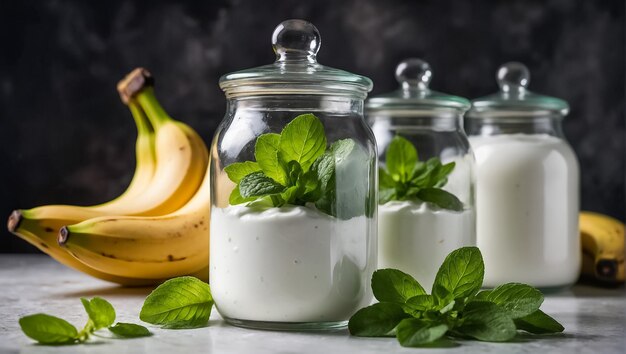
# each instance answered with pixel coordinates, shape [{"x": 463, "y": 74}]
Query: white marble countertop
[{"x": 594, "y": 320}]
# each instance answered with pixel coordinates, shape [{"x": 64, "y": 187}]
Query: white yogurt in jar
[
  {"x": 527, "y": 209},
  {"x": 289, "y": 264},
  {"x": 416, "y": 237}
]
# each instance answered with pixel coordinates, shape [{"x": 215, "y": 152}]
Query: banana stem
[
  {"x": 141, "y": 120},
  {"x": 151, "y": 106}
]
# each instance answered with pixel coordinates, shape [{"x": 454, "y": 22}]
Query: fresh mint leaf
[
  {"x": 101, "y": 312},
  {"x": 517, "y": 299},
  {"x": 341, "y": 149},
  {"x": 416, "y": 305},
  {"x": 461, "y": 273},
  {"x": 238, "y": 170},
  {"x": 440, "y": 198},
  {"x": 47, "y": 329},
  {"x": 129, "y": 330},
  {"x": 324, "y": 169},
  {"x": 392, "y": 285},
  {"x": 183, "y": 302},
  {"x": 412, "y": 332},
  {"x": 538, "y": 323},
  {"x": 302, "y": 140},
  {"x": 377, "y": 320},
  {"x": 266, "y": 155},
  {"x": 486, "y": 321},
  {"x": 400, "y": 158},
  {"x": 258, "y": 184},
  {"x": 236, "y": 198}
]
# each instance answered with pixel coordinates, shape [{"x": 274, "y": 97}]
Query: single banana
[
  {"x": 145, "y": 247},
  {"x": 603, "y": 247}
]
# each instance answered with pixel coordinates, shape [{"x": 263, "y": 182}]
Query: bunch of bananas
[
  {"x": 603, "y": 247},
  {"x": 158, "y": 228}
]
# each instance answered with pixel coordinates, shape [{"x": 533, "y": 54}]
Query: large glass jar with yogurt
[
  {"x": 527, "y": 185},
  {"x": 426, "y": 179},
  {"x": 293, "y": 204}
]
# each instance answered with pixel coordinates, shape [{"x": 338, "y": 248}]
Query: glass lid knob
[
  {"x": 513, "y": 77},
  {"x": 296, "y": 40},
  {"x": 414, "y": 74}
]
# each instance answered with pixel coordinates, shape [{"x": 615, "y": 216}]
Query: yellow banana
[
  {"x": 603, "y": 247},
  {"x": 170, "y": 167},
  {"x": 145, "y": 247}
]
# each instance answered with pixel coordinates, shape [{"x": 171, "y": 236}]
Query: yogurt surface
[
  {"x": 289, "y": 264},
  {"x": 416, "y": 237},
  {"x": 527, "y": 209}
]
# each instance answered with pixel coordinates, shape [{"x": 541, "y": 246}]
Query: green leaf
[
  {"x": 129, "y": 330},
  {"x": 302, "y": 140},
  {"x": 412, "y": 332},
  {"x": 341, "y": 149},
  {"x": 517, "y": 299},
  {"x": 486, "y": 321},
  {"x": 400, "y": 158},
  {"x": 183, "y": 302},
  {"x": 539, "y": 323},
  {"x": 392, "y": 285},
  {"x": 386, "y": 195},
  {"x": 47, "y": 329},
  {"x": 384, "y": 180},
  {"x": 258, "y": 184},
  {"x": 236, "y": 198},
  {"x": 238, "y": 170},
  {"x": 100, "y": 312},
  {"x": 377, "y": 320},
  {"x": 308, "y": 186},
  {"x": 294, "y": 171},
  {"x": 416, "y": 305},
  {"x": 324, "y": 169},
  {"x": 461, "y": 273},
  {"x": 440, "y": 198},
  {"x": 266, "y": 154}
]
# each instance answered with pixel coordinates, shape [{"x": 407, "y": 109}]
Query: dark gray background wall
[{"x": 66, "y": 138}]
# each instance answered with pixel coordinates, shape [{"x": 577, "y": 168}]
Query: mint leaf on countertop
[
  {"x": 129, "y": 330},
  {"x": 412, "y": 332},
  {"x": 461, "y": 273},
  {"x": 47, "y": 329},
  {"x": 517, "y": 299},
  {"x": 183, "y": 302},
  {"x": 538, "y": 323},
  {"x": 101, "y": 312},
  {"x": 392, "y": 285},
  {"x": 486, "y": 321},
  {"x": 377, "y": 320}
]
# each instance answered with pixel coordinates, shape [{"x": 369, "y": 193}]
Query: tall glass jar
[
  {"x": 293, "y": 212},
  {"x": 527, "y": 190},
  {"x": 426, "y": 178}
]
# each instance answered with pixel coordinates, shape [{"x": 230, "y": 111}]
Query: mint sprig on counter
[
  {"x": 294, "y": 167},
  {"x": 183, "y": 302},
  {"x": 52, "y": 330},
  {"x": 456, "y": 307},
  {"x": 407, "y": 178}
]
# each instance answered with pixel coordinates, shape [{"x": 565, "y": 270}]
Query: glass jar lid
[
  {"x": 295, "y": 71},
  {"x": 414, "y": 95},
  {"x": 514, "y": 99}
]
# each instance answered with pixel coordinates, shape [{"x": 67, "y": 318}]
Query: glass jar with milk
[
  {"x": 293, "y": 204},
  {"x": 527, "y": 185},
  {"x": 426, "y": 179}
]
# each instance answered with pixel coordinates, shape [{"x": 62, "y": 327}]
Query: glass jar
[
  {"x": 293, "y": 212},
  {"x": 527, "y": 189},
  {"x": 426, "y": 207}
]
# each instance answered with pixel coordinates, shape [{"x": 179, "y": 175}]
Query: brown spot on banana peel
[
  {"x": 133, "y": 83},
  {"x": 48, "y": 229},
  {"x": 14, "y": 220},
  {"x": 63, "y": 236}
]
